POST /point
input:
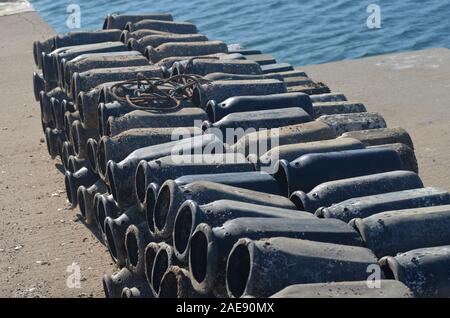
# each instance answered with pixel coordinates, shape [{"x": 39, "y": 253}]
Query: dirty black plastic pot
[
  {"x": 80, "y": 135},
  {"x": 69, "y": 119},
  {"x": 119, "y": 21},
  {"x": 206, "y": 66},
  {"x": 88, "y": 62},
  {"x": 136, "y": 239},
  {"x": 149, "y": 204},
  {"x": 74, "y": 164},
  {"x": 167, "y": 62},
  {"x": 50, "y": 69},
  {"x": 72, "y": 52},
  {"x": 39, "y": 47},
  {"x": 171, "y": 197},
  {"x": 74, "y": 180},
  {"x": 221, "y": 90},
  {"x": 261, "y": 268},
  {"x": 342, "y": 123},
  {"x": 112, "y": 109},
  {"x": 178, "y": 27},
  {"x": 38, "y": 85},
  {"x": 164, "y": 259},
  {"x": 52, "y": 62},
  {"x": 139, "y": 34},
  {"x": 216, "y": 111},
  {"x": 156, "y": 40},
  {"x": 310, "y": 88},
  {"x": 57, "y": 113},
  {"x": 216, "y": 213},
  {"x": 85, "y": 81},
  {"x": 389, "y": 233},
  {"x": 85, "y": 199},
  {"x": 382, "y": 136},
  {"x": 87, "y": 104},
  {"x": 176, "y": 283},
  {"x": 235, "y": 125},
  {"x": 328, "y": 193},
  {"x": 312, "y": 169},
  {"x": 115, "y": 230},
  {"x": 334, "y": 108},
  {"x": 175, "y": 166},
  {"x": 121, "y": 176},
  {"x": 388, "y": 288},
  {"x": 105, "y": 206},
  {"x": 66, "y": 152},
  {"x": 86, "y": 37},
  {"x": 114, "y": 284},
  {"x": 118, "y": 147},
  {"x": 277, "y": 68},
  {"x": 54, "y": 139},
  {"x": 72, "y": 39},
  {"x": 292, "y": 151},
  {"x": 288, "y": 74},
  {"x": 184, "y": 49},
  {"x": 406, "y": 154},
  {"x": 425, "y": 270},
  {"x": 328, "y": 97},
  {"x": 363, "y": 207},
  {"x": 46, "y": 107},
  {"x": 297, "y": 81},
  {"x": 252, "y": 180},
  {"x": 91, "y": 154},
  {"x": 262, "y": 141},
  {"x": 211, "y": 245},
  {"x": 217, "y": 76},
  {"x": 183, "y": 117}
]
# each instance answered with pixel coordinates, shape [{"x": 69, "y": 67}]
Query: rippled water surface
[{"x": 296, "y": 31}]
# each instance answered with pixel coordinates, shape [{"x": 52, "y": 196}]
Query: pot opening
[
  {"x": 198, "y": 256},
  {"x": 162, "y": 206},
  {"x": 132, "y": 248},
  {"x": 141, "y": 182},
  {"x": 150, "y": 207},
  {"x": 238, "y": 270},
  {"x": 183, "y": 229}
]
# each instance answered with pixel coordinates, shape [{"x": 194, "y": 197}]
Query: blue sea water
[{"x": 300, "y": 32}]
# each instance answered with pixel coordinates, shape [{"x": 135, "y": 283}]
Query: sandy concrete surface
[
  {"x": 411, "y": 90},
  {"x": 39, "y": 237}
]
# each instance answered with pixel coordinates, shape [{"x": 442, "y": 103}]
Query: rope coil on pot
[{"x": 156, "y": 94}]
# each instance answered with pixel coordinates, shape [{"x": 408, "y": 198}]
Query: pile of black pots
[{"x": 328, "y": 204}]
